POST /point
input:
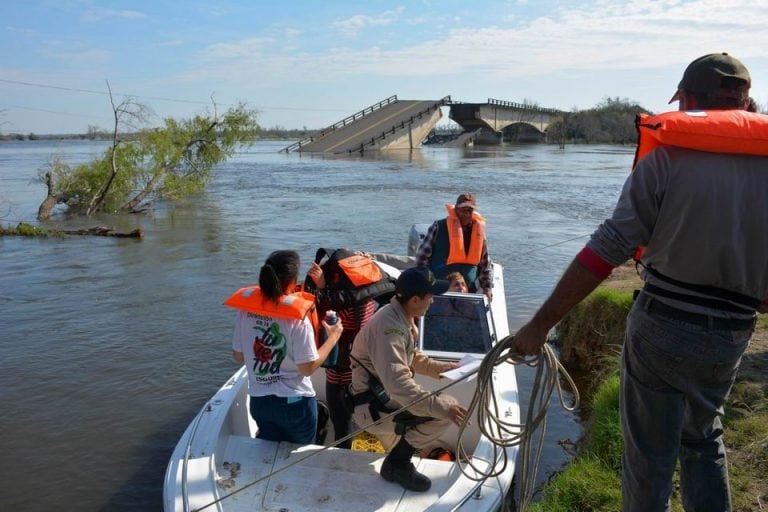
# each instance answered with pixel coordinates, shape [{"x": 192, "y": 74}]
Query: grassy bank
[
  {"x": 590, "y": 339},
  {"x": 25, "y": 229}
]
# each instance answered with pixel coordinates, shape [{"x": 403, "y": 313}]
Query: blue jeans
[
  {"x": 279, "y": 420},
  {"x": 675, "y": 377}
]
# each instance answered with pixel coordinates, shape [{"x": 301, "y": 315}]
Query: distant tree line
[
  {"x": 612, "y": 121},
  {"x": 97, "y": 133}
]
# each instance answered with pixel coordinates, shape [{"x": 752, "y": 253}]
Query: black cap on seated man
[{"x": 418, "y": 281}]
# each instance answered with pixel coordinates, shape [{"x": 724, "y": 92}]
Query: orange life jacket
[
  {"x": 360, "y": 270},
  {"x": 357, "y": 274},
  {"x": 715, "y": 131},
  {"x": 292, "y": 306},
  {"x": 735, "y": 132},
  {"x": 456, "y": 253}
]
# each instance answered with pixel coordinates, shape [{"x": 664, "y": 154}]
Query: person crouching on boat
[
  {"x": 275, "y": 333},
  {"x": 384, "y": 360}
]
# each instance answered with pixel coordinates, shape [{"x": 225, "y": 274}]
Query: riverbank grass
[
  {"x": 26, "y": 229},
  {"x": 590, "y": 340}
]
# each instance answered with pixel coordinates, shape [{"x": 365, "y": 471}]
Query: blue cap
[{"x": 419, "y": 281}]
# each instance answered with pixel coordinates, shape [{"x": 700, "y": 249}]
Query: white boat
[{"x": 219, "y": 465}]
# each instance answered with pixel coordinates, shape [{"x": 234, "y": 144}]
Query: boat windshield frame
[{"x": 445, "y": 330}]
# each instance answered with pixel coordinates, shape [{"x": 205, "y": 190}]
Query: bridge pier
[{"x": 488, "y": 137}]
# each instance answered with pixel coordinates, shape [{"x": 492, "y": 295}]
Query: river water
[{"x": 108, "y": 347}]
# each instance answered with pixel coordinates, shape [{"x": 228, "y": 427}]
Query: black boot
[{"x": 397, "y": 467}]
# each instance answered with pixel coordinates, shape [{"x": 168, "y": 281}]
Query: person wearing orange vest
[
  {"x": 275, "y": 333},
  {"x": 701, "y": 215},
  {"x": 457, "y": 243},
  {"x": 347, "y": 282}
]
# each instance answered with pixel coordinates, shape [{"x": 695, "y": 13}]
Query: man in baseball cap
[
  {"x": 385, "y": 356},
  {"x": 691, "y": 323},
  {"x": 457, "y": 243},
  {"x": 714, "y": 81}
]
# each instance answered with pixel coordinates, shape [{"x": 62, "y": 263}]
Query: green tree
[
  {"x": 169, "y": 162},
  {"x": 612, "y": 121}
]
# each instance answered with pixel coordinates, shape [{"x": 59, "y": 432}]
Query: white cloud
[
  {"x": 22, "y": 31},
  {"x": 239, "y": 50},
  {"x": 351, "y": 27},
  {"x": 93, "y": 15},
  {"x": 588, "y": 41},
  {"x": 80, "y": 58},
  {"x": 173, "y": 42}
]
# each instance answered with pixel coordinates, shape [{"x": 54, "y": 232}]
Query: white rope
[{"x": 504, "y": 434}]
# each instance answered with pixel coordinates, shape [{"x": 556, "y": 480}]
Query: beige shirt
[{"x": 387, "y": 346}]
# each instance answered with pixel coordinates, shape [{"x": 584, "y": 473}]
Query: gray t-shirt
[{"x": 702, "y": 217}]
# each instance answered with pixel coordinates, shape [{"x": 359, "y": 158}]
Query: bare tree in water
[{"x": 141, "y": 165}]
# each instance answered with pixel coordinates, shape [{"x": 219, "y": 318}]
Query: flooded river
[{"x": 108, "y": 347}]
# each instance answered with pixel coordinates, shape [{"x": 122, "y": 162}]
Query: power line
[
  {"x": 52, "y": 111},
  {"x": 157, "y": 98},
  {"x": 101, "y": 93}
]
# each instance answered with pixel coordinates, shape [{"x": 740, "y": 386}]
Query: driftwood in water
[{"x": 105, "y": 231}]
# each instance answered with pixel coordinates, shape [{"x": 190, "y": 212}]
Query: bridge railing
[
  {"x": 405, "y": 122},
  {"x": 523, "y": 106},
  {"x": 340, "y": 124}
]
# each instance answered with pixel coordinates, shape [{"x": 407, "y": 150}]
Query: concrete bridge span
[
  {"x": 389, "y": 124},
  {"x": 492, "y": 117},
  {"x": 404, "y": 124}
]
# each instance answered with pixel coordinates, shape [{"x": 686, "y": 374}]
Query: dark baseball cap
[
  {"x": 465, "y": 199},
  {"x": 706, "y": 74},
  {"x": 419, "y": 281}
]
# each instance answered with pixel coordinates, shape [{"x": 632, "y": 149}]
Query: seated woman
[
  {"x": 456, "y": 283},
  {"x": 275, "y": 332}
]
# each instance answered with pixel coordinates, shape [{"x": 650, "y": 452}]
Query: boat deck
[{"x": 332, "y": 480}]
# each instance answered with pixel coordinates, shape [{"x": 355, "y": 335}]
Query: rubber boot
[{"x": 397, "y": 467}]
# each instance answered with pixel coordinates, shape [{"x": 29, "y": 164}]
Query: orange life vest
[
  {"x": 357, "y": 274},
  {"x": 715, "y": 131},
  {"x": 456, "y": 253},
  {"x": 361, "y": 270},
  {"x": 292, "y": 306},
  {"x": 735, "y": 132}
]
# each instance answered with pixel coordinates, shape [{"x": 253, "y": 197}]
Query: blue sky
[{"x": 312, "y": 63}]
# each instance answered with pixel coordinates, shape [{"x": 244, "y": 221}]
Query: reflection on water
[{"x": 110, "y": 346}]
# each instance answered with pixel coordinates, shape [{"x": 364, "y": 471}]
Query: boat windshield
[{"x": 457, "y": 322}]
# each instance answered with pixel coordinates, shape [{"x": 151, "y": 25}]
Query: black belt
[{"x": 652, "y": 305}]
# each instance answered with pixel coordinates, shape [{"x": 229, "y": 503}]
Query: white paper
[{"x": 468, "y": 364}]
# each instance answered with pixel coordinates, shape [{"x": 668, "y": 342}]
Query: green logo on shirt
[{"x": 268, "y": 350}]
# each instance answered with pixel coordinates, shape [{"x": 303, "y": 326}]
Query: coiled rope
[{"x": 504, "y": 434}]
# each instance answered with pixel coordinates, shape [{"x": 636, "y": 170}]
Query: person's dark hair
[
  {"x": 734, "y": 94},
  {"x": 752, "y": 106},
  {"x": 279, "y": 272}
]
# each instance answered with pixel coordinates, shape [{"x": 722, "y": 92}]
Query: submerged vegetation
[
  {"x": 28, "y": 230},
  {"x": 25, "y": 229},
  {"x": 171, "y": 161},
  {"x": 593, "y": 480}
]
